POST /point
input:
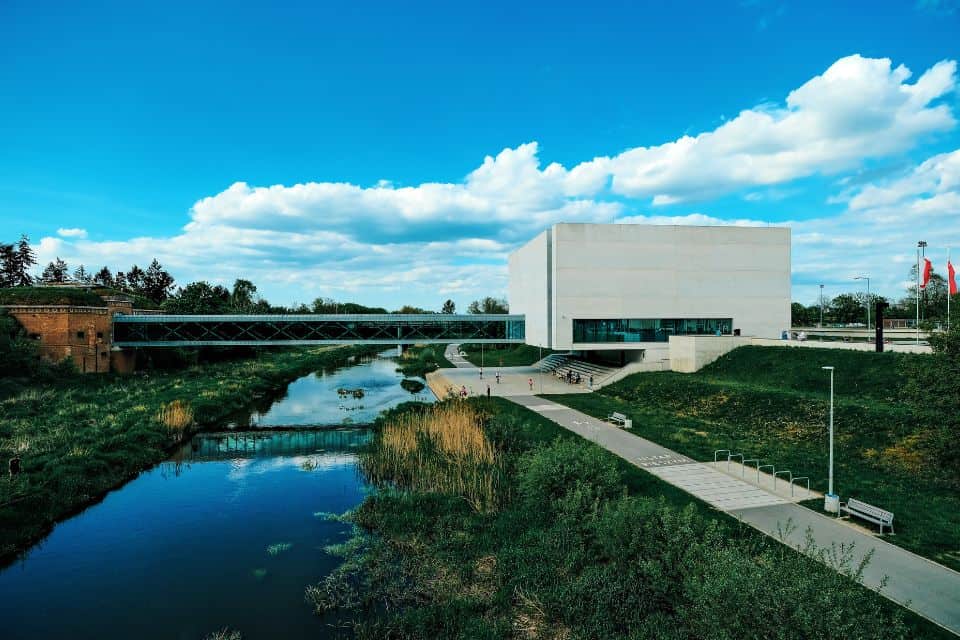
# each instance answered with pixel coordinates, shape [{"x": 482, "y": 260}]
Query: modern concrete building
[{"x": 619, "y": 288}]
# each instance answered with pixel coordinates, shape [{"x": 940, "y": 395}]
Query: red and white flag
[
  {"x": 952, "y": 278},
  {"x": 925, "y": 274}
]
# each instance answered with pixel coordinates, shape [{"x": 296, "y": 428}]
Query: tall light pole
[
  {"x": 867, "y": 278},
  {"x": 920, "y": 245},
  {"x": 821, "y": 307},
  {"x": 831, "y": 502}
]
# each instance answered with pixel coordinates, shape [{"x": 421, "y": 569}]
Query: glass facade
[{"x": 647, "y": 329}]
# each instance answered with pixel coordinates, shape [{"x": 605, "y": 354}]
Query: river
[{"x": 227, "y": 533}]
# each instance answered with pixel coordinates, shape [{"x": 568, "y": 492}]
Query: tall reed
[
  {"x": 442, "y": 449},
  {"x": 176, "y": 416}
]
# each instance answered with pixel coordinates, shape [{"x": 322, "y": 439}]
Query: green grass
[
  {"x": 82, "y": 436},
  {"x": 581, "y": 545},
  {"x": 503, "y": 355},
  {"x": 772, "y": 403},
  {"x": 419, "y": 360},
  {"x": 67, "y": 295}
]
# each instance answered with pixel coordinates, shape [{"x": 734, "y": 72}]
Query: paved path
[
  {"x": 929, "y": 589},
  {"x": 452, "y": 354}
]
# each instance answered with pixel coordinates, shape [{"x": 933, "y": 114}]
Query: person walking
[
  {"x": 498, "y": 377},
  {"x": 530, "y": 382},
  {"x": 488, "y": 391},
  {"x": 481, "y": 373},
  {"x": 591, "y": 381}
]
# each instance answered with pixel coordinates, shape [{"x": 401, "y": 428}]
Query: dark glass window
[
  {"x": 647, "y": 329},
  {"x": 100, "y": 335},
  {"x": 81, "y": 335}
]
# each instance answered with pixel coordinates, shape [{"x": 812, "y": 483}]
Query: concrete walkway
[
  {"x": 923, "y": 586},
  {"x": 452, "y": 354}
]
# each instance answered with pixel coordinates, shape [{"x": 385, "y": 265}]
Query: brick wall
[{"x": 82, "y": 334}]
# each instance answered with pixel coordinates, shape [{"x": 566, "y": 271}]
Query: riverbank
[
  {"x": 81, "y": 437},
  {"x": 494, "y": 522}
]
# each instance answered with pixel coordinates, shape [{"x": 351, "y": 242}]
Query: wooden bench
[
  {"x": 868, "y": 512},
  {"x": 617, "y": 418}
]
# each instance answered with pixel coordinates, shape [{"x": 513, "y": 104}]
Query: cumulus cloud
[
  {"x": 444, "y": 238},
  {"x": 857, "y": 109}
]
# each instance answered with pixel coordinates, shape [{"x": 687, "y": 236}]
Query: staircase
[{"x": 565, "y": 362}]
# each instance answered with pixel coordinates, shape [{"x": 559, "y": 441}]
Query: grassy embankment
[
  {"x": 503, "y": 355},
  {"x": 80, "y": 436},
  {"x": 419, "y": 360},
  {"x": 91, "y": 297},
  {"x": 494, "y": 522},
  {"x": 773, "y": 403}
]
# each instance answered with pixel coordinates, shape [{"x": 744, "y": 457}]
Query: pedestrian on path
[
  {"x": 488, "y": 391},
  {"x": 463, "y": 391},
  {"x": 481, "y": 373},
  {"x": 591, "y": 381},
  {"x": 498, "y": 377},
  {"x": 530, "y": 382}
]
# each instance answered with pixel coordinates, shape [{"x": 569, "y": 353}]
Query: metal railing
[{"x": 792, "y": 485}]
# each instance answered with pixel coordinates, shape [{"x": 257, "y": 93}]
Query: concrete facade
[{"x": 609, "y": 271}]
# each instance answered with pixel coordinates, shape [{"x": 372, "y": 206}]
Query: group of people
[{"x": 572, "y": 377}]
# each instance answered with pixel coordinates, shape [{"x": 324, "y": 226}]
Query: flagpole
[{"x": 948, "y": 289}]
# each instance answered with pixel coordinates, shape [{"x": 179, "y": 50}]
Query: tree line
[
  {"x": 157, "y": 285},
  {"x": 851, "y": 308}
]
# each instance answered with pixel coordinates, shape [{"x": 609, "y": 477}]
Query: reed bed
[
  {"x": 442, "y": 449},
  {"x": 176, "y": 416}
]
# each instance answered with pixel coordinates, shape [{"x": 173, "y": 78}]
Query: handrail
[
  {"x": 726, "y": 451},
  {"x": 733, "y": 455},
  {"x": 764, "y": 466},
  {"x": 778, "y": 473},
  {"x": 743, "y": 470},
  {"x": 800, "y": 478}
]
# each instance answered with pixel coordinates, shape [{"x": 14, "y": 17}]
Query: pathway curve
[
  {"x": 452, "y": 354},
  {"x": 923, "y": 586}
]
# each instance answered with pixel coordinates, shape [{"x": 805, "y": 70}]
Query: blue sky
[{"x": 396, "y": 154}]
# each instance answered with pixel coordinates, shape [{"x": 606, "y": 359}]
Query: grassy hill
[
  {"x": 772, "y": 403},
  {"x": 68, "y": 295}
]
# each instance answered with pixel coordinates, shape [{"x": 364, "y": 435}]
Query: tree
[
  {"x": 199, "y": 297},
  {"x": 244, "y": 296},
  {"x": 449, "y": 307},
  {"x": 120, "y": 280},
  {"x": 135, "y": 279},
  {"x": 8, "y": 265},
  {"x": 81, "y": 275},
  {"x": 848, "y": 308},
  {"x": 799, "y": 315},
  {"x": 56, "y": 271},
  {"x": 156, "y": 282},
  {"x": 489, "y": 305},
  {"x": 104, "y": 278},
  {"x": 26, "y": 258},
  {"x": 410, "y": 309}
]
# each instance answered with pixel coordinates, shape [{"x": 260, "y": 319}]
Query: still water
[{"x": 227, "y": 533}]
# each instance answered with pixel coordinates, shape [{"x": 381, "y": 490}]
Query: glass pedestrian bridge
[{"x": 293, "y": 330}]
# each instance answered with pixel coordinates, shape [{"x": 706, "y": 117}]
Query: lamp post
[
  {"x": 831, "y": 502},
  {"x": 920, "y": 245},
  {"x": 867, "y": 278},
  {"x": 821, "y": 307}
]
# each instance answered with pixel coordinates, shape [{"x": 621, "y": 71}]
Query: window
[
  {"x": 99, "y": 335},
  {"x": 647, "y": 329},
  {"x": 81, "y": 335}
]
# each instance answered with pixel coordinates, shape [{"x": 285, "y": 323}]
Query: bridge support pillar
[{"x": 123, "y": 360}]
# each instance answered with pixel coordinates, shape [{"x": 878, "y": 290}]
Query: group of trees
[
  {"x": 850, "y": 308},
  {"x": 15, "y": 262}
]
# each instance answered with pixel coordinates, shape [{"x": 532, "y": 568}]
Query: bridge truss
[{"x": 266, "y": 330}]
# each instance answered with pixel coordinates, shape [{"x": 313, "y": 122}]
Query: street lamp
[
  {"x": 821, "y": 307},
  {"x": 867, "y": 278},
  {"x": 831, "y": 502},
  {"x": 922, "y": 245}
]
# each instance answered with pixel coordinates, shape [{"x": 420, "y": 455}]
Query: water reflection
[{"x": 314, "y": 399}]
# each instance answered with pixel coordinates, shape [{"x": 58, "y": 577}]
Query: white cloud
[
  {"x": 857, "y": 109},
  {"x": 420, "y": 242},
  {"x": 72, "y": 233}
]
